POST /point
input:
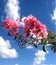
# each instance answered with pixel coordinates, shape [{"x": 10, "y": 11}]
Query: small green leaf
[
  {"x": 35, "y": 45},
  {"x": 50, "y": 33},
  {"x": 53, "y": 47},
  {"x": 33, "y": 40},
  {"x": 44, "y": 48}
]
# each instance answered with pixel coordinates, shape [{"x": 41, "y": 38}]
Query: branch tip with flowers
[{"x": 34, "y": 33}]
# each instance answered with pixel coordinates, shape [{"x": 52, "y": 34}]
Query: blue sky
[{"x": 10, "y": 53}]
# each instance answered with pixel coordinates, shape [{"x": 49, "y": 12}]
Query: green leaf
[
  {"x": 50, "y": 33},
  {"x": 35, "y": 45},
  {"x": 33, "y": 40},
  {"x": 44, "y": 48},
  {"x": 53, "y": 47}
]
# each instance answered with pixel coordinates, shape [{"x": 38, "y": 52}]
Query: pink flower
[
  {"x": 30, "y": 23},
  {"x": 34, "y": 27},
  {"x": 43, "y": 31},
  {"x": 14, "y": 29},
  {"x": 7, "y": 23},
  {"x": 12, "y": 26}
]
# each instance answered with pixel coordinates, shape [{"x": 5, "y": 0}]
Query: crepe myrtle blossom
[
  {"x": 12, "y": 26},
  {"x": 7, "y": 23},
  {"x": 34, "y": 27},
  {"x": 41, "y": 31},
  {"x": 34, "y": 32}
]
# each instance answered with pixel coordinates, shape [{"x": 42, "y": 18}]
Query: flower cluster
[
  {"x": 34, "y": 27},
  {"x": 12, "y": 26},
  {"x": 34, "y": 32}
]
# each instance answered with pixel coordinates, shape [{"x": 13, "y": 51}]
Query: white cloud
[
  {"x": 40, "y": 56},
  {"x": 29, "y": 47},
  {"x": 5, "y": 49},
  {"x": 12, "y": 9},
  {"x": 23, "y": 18},
  {"x": 22, "y": 21},
  {"x": 54, "y": 14},
  {"x": 16, "y": 64},
  {"x": 53, "y": 17}
]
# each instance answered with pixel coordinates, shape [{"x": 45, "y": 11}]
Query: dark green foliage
[{"x": 44, "y": 48}]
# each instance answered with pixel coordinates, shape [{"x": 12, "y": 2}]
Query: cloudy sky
[{"x": 10, "y": 53}]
